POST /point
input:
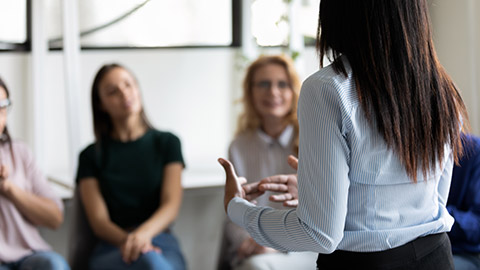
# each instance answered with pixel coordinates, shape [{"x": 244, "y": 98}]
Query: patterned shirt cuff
[{"x": 237, "y": 208}]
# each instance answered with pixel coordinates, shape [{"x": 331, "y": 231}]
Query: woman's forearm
[
  {"x": 161, "y": 219},
  {"x": 97, "y": 213},
  {"x": 38, "y": 210},
  {"x": 110, "y": 232},
  {"x": 171, "y": 195}
]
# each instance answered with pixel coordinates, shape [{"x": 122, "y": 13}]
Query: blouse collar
[{"x": 284, "y": 139}]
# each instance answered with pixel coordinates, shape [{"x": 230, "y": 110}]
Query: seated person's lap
[{"x": 106, "y": 256}]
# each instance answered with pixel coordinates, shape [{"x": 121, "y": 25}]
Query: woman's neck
[
  {"x": 274, "y": 127},
  {"x": 129, "y": 129}
]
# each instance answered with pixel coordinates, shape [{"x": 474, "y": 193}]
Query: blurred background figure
[
  {"x": 129, "y": 179},
  {"x": 464, "y": 205},
  {"x": 267, "y": 134},
  {"x": 26, "y": 202}
]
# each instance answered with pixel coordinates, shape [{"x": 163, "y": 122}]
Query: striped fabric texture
[{"x": 354, "y": 194}]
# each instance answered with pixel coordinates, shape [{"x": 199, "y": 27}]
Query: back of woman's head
[
  {"x": 102, "y": 122},
  {"x": 403, "y": 89}
]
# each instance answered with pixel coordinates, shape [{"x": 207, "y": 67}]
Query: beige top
[{"x": 255, "y": 156}]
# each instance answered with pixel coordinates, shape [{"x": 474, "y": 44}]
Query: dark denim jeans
[
  {"x": 40, "y": 260},
  {"x": 108, "y": 257}
]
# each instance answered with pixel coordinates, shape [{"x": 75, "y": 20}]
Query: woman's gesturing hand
[
  {"x": 233, "y": 184},
  {"x": 285, "y": 184}
]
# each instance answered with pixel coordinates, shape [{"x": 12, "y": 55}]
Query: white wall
[
  {"x": 184, "y": 91},
  {"x": 456, "y": 26},
  {"x": 14, "y": 70}
]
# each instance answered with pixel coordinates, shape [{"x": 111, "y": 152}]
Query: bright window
[
  {"x": 13, "y": 23},
  {"x": 147, "y": 23},
  {"x": 270, "y": 22}
]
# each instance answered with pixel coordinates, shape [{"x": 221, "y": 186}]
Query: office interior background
[{"x": 189, "y": 57}]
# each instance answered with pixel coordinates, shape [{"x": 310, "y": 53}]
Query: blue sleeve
[
  {"x": 317, "y": 223},
  {"x": 467, "y": 221}
]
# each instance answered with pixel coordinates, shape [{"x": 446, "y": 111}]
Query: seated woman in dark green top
[{"x": 129, "y": 179}]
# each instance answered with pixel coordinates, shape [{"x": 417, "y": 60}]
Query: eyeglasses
[
  {"x": 5, "y": 104},
  {"x": 267, "y": 84}
]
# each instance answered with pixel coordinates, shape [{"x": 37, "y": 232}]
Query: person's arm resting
[
  {"x": 40, "y": 205},
  {"x": 171, "y": 199},
  {"x": 467, "y": 222},
  {"x": 97, "y": 213},
  {"x": 38, "y": 210}
]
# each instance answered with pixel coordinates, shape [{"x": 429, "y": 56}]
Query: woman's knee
[
  {"x": 151, "y": 261},
  {"x": 44, "y": 261}
]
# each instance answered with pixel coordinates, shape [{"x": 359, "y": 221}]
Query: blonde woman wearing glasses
[{"x": 267, "y": 133}]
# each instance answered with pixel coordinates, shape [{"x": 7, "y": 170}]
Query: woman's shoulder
[
  {"x": 329, "y": 84},
  {"x": 89, "y": 150},
  {"x": 329, "y": 77},
  {"x": 471, "y": 146},
  {"x": 163, "y": 136},
  {"x": 16, "y": 143},
  {"x": 164, "y": 141},
  {"x": 20, "y": 147}
]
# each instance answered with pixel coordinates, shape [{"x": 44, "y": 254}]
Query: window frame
[
  {"x": 27, "y": 45},
  {"x": 236, "y": 36}
]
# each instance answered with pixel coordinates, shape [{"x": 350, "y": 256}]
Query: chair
[{"x": 82, "y": 239}]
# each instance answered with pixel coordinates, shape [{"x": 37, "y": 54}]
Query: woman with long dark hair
[
  {"x": 379, "y": 133},
  {"x": 26, "y": 202},
  {"x": 129, "y": 180}
]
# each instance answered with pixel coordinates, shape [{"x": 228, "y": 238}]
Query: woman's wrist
[
  {"x": 145, "y": 231},
  {"x": 9, "y": 189}
]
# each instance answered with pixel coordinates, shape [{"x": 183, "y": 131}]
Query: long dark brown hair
[
  {"x": 402, "y": 87},
  {"x": 6, "y": 135},
  {"x": 250, "y": 119},
  {"x": 102, "y": 123}
]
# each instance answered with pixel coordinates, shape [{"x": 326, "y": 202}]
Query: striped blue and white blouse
[{"x": 353, "y": 192}]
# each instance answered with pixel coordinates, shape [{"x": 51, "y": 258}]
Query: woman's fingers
[
  {"x": 135, "y": 252},
  {"x": 247, "y": 248},
  {"x": 242, "y": 180},
  {"x": 281, "y": 197},
  {"x": 291, "y": 203},
  {"x": 252, "y": 191},
  {"x": 233, "y": 187},
  {"x": 228, "y": 167},
  {"x": 274, "y": 187},
  {"x": 126, "y": 250},
  {"x": 3, "y": 172},
  {"x": 293, "y": 162}
]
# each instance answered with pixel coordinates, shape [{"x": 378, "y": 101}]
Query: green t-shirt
[{"x": 130, "y": 174}]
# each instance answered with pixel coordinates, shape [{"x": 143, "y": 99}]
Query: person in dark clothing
[{"x": 464, "y": 205}]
